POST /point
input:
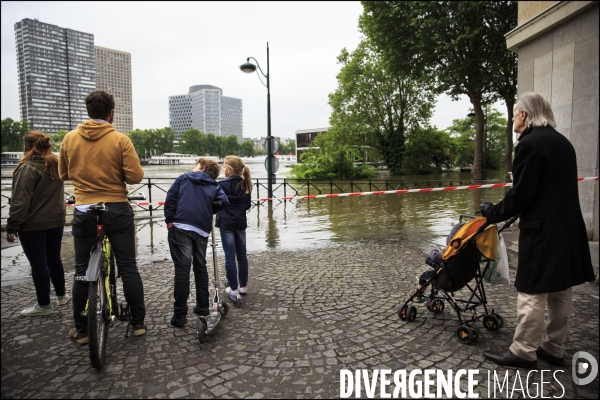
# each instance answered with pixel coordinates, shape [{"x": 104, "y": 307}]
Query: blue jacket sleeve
[
  {"x": 222, "y": 197},
  {"x": 171, "y": 200}
]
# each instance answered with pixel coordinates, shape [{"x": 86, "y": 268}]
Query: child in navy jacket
[{"x": 189, "y": 214}]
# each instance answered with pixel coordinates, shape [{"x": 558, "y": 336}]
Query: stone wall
[{"x": 561, "y": 63}]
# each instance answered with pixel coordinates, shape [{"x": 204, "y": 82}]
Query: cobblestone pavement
[{"x": 308, "y": 314}]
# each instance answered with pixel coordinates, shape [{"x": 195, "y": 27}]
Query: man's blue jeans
[
  {"x": 188, "y": 248},
  {"x": 234, "y": 245}
]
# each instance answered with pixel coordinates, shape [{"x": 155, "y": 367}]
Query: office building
[
  {"x": 113, "y": 75},
  {"x": 56, "y": 68},
  {"x": 304, "y": 138},
  {"x": 206, "y": 109}
]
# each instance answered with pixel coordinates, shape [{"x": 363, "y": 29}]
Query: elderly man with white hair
[{"x": 554, "y": 253}]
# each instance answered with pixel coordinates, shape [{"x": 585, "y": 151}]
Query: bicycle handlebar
[{"x": 140, "y": 196}]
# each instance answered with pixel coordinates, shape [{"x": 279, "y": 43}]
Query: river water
[{"x": 422, "y": 218}]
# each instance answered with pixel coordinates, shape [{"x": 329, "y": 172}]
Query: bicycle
[{"x": 102, "y": 307}]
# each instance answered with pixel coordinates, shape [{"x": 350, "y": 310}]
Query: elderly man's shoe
[
  {"x": 544, "y": 355},
  {"x": 505, "y": 357}
]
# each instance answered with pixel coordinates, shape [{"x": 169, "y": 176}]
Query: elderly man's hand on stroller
[{"x": 484, "y": 208}]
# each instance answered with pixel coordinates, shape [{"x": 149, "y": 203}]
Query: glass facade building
[
  {"x": 56, "y": 68},
  {"x": 206, "y": 109}
]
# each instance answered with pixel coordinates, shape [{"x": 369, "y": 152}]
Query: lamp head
[
  {"x": 248, "y": 67},
  {"x": 470, "y": 115}
]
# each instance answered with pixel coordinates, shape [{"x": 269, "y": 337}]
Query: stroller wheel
[
  {"x": 475, "y": 333},
  {"x": 437, "y": 306},
  {"x": 465, "y": 334},
  {"x": 412, "y": 314},
  {"x": 429, "y": 306},
  {"x": 402, "y": 312},
  {"x": 501, "y": 319},
  {"x": 491, "y": 323}
]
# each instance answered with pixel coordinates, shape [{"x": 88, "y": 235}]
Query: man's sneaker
[
  {"x": 62, "y": 300},
  {"x": 230, "y": 292},
  {"x": 243, "y": 289},
  {"x": 80, "y": 338},
  {"x": 179, "y": 320},
  {"x": 203, "y": 312},
  {"x": 36, "y": 311},
  {"x": 139, "y": 329}
]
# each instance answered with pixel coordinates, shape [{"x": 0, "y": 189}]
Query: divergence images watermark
[{"x": 462, "y": 383}]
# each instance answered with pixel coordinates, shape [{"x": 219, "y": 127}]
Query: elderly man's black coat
[{"x": 554, "y": 252}]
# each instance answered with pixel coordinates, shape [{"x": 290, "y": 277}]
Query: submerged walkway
[{"x": 308, "y": 314}]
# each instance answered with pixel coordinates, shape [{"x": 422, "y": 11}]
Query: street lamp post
[
  {"x": 249, "y": 68},
  {"x": 471, "y": 115}
]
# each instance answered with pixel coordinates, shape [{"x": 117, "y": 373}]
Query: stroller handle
[
  {"x": 482, "y": 227},
  {"x": 508, "y": 223}
]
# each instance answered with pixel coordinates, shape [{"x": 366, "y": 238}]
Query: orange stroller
[{"x": 475, "y": 243}]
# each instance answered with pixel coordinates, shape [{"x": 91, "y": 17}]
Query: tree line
[{"x": 148, "y": 142}]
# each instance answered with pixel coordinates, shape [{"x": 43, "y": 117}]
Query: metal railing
[{"x": 156, "y": 188}]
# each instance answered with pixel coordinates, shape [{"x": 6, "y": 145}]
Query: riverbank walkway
[{"x": 308, "y": 315}]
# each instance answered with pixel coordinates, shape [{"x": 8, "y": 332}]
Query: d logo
[{"x": 582, "y": 367}]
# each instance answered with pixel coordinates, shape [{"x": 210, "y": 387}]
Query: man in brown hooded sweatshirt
[{"x": 100, "y": 162}]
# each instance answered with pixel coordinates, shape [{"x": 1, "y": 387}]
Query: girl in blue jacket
[{"x": 232, "y": 223}]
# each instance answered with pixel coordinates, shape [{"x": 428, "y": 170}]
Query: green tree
[
  {"x": 57, "y": 139},
  {"x": 247, "y": 148},
  {"x": 456, "y": 45},
  {"x": 463, "y": 132},
  {"x": 375, "y": 106},
  {"x": 12, "y": 134},
  {"x": 193, "y": 142},
  {"x": 328, "y": 159},
  {"x": 230, "y": 146},
  {"x": 213, "y": 145},
  {"x": 286, "y": 149},
  {"x": 152, "y": 141},
  {"x": 162, "y": 140},
  {"x": 139, "y": 138},
  {"x": 429, "y": 150}
]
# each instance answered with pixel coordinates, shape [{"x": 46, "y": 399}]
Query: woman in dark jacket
[
  {"x": 37, "y": 217},
  {"x": 232, "y": 223},
  {"x": 554, "y": 253}
]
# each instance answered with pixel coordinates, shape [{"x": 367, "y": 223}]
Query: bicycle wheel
[{"x": 98, "y": 320}]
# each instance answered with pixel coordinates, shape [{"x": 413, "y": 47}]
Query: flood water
[{"x": 422, "y": 218}]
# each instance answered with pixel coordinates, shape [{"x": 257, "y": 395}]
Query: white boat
[
  {"x": 11, "y": 157},
  {"x": 177, "y": 159}
]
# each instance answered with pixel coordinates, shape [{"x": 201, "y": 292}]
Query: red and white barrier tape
[{"x": 402, "y": 191}]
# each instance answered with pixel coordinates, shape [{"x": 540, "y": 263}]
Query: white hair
[{"x": 538, "y": 109}]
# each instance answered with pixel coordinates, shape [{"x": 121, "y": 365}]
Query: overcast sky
[{"x": 175, "y": 45}]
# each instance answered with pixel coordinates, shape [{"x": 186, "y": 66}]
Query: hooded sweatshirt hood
[
  {"x": 93, "y": 130},
  {"x": 200, "y": 178}
]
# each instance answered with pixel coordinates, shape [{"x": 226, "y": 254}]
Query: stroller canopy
[{"x": 487, "y": 240}]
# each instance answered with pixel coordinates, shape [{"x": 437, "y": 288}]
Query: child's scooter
[{"x": 218, "y": 309}]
